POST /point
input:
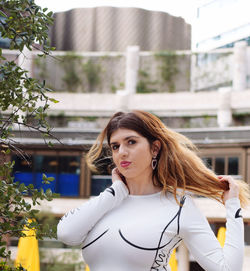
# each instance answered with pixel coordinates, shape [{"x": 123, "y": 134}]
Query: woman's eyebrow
[{"x": 126, "y": 138}]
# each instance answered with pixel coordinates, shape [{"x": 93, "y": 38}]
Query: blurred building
[
  {"x": 113, "y": 29},
  {"x": 221, "y": 23}
]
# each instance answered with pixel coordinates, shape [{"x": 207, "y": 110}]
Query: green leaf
[
  {"x": 48, "y": 193},
  {"x": 3, "y": 14},
  {"x": 50, "y": 14},
  {"x": 50, "y": 144},
  {"x": 2, "y": 250},
  {"x": 50, "y": 179},
  {"x": 54, "y": 100}
]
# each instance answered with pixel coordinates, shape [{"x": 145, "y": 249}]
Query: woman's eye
[
  {"x": 115, "y": 147},
  {"x": 131, "y": 142}
]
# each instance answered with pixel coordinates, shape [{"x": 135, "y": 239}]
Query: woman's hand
[
  {"x": 233, "y": 191},
  {"x": 117, "y": 176}
]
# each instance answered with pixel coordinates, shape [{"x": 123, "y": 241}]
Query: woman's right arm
[
  {"x": 201, "y": 241},
  {"x": 75, "y": 225}
]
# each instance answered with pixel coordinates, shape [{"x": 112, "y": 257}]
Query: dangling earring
[{"x": 154, "y": 163}]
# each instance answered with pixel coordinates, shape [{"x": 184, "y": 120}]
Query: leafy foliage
[
  {"x": 23, "y": 103},
  {"x": 23, "y": 22},
  {"x": 70, "y": 62},
  {"x": 169, "y": 68},
  {"x": 92, "y": 72},
  {"x": 5, "y": 267}
]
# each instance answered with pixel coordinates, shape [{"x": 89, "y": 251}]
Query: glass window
[
  {"x": 69, "y": 164},
  {"x": 227, "y": 165},
  {"x": 207, "y": 161},
  {"x": 23, "y": 169},
  {"x": 64, "y": 169},
  {"x": 99, "y": 183},
  {"x": 233, "y": 166},
  {"x": 220, "y": 165},
  {"x": 47, "y": 164},
  {"x": 23, "y": 164},
  {"x": 69, "y": 175}
]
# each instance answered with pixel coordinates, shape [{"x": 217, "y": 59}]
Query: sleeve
[
  {"x": 74, "y": 226},
  {"x": 202, "y": 243}
]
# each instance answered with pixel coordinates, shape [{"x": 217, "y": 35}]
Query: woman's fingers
[
  {"x": 233, "y": 191},
  {"x": 116, "y": 175}
]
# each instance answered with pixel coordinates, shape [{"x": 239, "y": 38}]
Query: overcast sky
[{"x": 182, "y": 8}]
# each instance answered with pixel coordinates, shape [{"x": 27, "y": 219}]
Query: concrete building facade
[
  {"x": 113, "y": 29},
  {"x": 230, "y": 23}
]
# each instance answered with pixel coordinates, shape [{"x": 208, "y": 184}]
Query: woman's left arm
[{"x": 201, "y": 241}]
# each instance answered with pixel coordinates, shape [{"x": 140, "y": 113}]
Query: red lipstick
[{"x": 125, "y": 164}]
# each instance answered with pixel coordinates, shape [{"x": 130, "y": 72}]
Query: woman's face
[{"x": 131, "y": 154}]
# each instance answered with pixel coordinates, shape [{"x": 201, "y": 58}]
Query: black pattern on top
[
  {"x": 179, "y": 212},
  {"x": 71, "y": 211},
  {"x": 163, "y": 258},
  {"x": 94, "y": 239},
  {"x": 144, "y": 248},
  {"x": 237, "y": 214},
  {"x": 157, "y": 262},
  {"x": 111, "y": 190}
]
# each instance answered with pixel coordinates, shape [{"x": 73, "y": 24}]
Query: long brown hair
[{"x": 179, "y": 166}]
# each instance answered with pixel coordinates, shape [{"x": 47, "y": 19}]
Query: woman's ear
[{"x": 156, "y": 147}]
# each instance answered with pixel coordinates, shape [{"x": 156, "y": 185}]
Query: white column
[
  {"x": 240, "y": 66},
  {"x": 183, "y": 258},
  {"x": 193, "y": 72},
  {"x": 25, "y": 60},
  {"x": 132, "y": 67},
  {"x": 224, "y": 113},
  {"x": 123, "y": 100}
]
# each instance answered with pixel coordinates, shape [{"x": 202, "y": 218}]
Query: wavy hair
[{"x": 179, "y": 167}]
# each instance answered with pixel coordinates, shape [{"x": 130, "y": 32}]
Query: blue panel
[
  {"x": 24, "y": 177},
  {"x": 68, "y": 184},
  {"x": 39, "y": 180}
]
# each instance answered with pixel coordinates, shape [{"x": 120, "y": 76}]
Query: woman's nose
[{"x": 123, "y": 150}]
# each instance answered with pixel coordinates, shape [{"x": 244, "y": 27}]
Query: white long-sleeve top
[{"x": 122, "y": 232}]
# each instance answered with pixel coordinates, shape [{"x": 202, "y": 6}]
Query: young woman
[{"x": 136, "y": 223}]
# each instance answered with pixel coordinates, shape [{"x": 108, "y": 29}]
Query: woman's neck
[{"x": 142, "y": 187}]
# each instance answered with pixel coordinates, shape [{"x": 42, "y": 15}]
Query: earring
[{"x": 154, "y": 163}]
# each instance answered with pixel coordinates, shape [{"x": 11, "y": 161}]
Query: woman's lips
[{"x": 125, "y": 163}]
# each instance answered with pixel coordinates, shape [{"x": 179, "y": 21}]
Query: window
[
  {"x": 220, "y": 165},
  {"x": 223, "y": 165},
  {"x": 23, "y": 169},
  {"x": 104, "y": 165},
  {"x": 99, "y": 183},
  {"x": 64, "y": 169},
  {"x": 233, "y": 165}
]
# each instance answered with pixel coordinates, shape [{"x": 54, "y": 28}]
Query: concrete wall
[
  {"x": 208, "y": 71},
  {"x": 217, "y": 68},
  {"x": 158, "y": 71},
  {"x": 113, "y": 29},
  {"x": 164, "y": 105}
]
